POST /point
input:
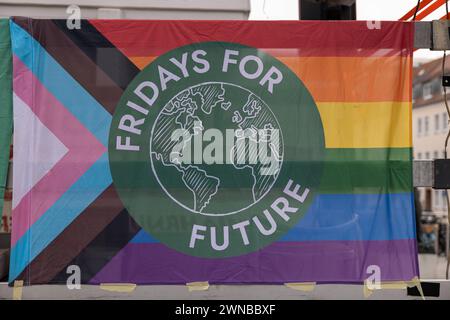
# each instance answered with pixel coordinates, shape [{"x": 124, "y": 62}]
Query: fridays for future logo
[{"x": 215, "y": 149}]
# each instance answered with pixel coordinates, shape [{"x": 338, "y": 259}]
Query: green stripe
[
  {"x": 5, "y": 104},
  {"x": 367, "y": 171}
]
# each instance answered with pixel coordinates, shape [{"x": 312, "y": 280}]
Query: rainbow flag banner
[{"x": 167, "y": 152}]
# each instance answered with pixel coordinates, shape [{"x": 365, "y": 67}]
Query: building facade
[
  {"x": 430, "y": 126},
  {"x": 129, "y": 9}
]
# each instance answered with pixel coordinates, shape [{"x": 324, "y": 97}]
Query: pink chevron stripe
[{"x": 84, "y": 149}]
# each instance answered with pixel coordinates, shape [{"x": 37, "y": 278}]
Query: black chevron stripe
[{"x": 100, "y": 50}]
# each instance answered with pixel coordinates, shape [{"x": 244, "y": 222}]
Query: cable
[
  {"x": 417, "y": 10},
  {"x": 445, "y": 150}
]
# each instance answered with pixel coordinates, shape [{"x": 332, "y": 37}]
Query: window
[
  {"x": 444, "y": 120},
  {"x": 436, "y": 123},
  {"x": 427, "y": 155},
  {"x": 417, "y": 92},
  {"x": 427, "y": 91},
  {"x": 444, "y": 199},
  {"x": 419, "y": 156},
  {"x": 426, "y": 125},
  {"x": 419, "y": 126},
  {"x": 436, "y": 86},
  {"x": 437, "y": 198},
  {"x": 436, "y": 155}
]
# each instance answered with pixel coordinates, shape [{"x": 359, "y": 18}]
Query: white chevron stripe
[{"x": 39, "y": 158}]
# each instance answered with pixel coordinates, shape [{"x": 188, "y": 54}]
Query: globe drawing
[{"x": 235, "y": 182}]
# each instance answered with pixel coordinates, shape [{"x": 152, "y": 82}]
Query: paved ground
[{"x": 252, "y": 292}]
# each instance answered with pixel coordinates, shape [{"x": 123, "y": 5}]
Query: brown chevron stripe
[
  {"x": 93, "y": 258},
  {"x": 74, "y": 61},
  {"x": 74, "y": 239}
]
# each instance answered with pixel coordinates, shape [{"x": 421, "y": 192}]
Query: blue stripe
[
  {"x": 357, "y": 217},
  {"x": 143, "y": 237},
  {"x": 61, "y": 84},
  {"x": 74, "y": 201},
  {"x": 349, "y": 217}
]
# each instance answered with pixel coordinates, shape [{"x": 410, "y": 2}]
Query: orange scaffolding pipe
[
  {"x": 426, "y": 7},
  {"x": 432, "y": 7},
  {"x": 410, "y": 13}
]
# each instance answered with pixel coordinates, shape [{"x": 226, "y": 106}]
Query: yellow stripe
[{"x": 366, "y": 125}]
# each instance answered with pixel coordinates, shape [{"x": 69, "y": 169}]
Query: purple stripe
[{"x": 281, "y": 262}]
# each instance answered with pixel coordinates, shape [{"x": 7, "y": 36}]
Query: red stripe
[{"x": 313, "y": 38}]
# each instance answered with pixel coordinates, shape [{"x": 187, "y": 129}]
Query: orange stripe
[
  {"x": 142, "y": 62},
  {"x": 354, "y": 79},
  {"x": 346, "y": 79}
]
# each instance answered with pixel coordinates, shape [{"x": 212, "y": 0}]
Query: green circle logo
[{"x": 216, "y": 149}]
